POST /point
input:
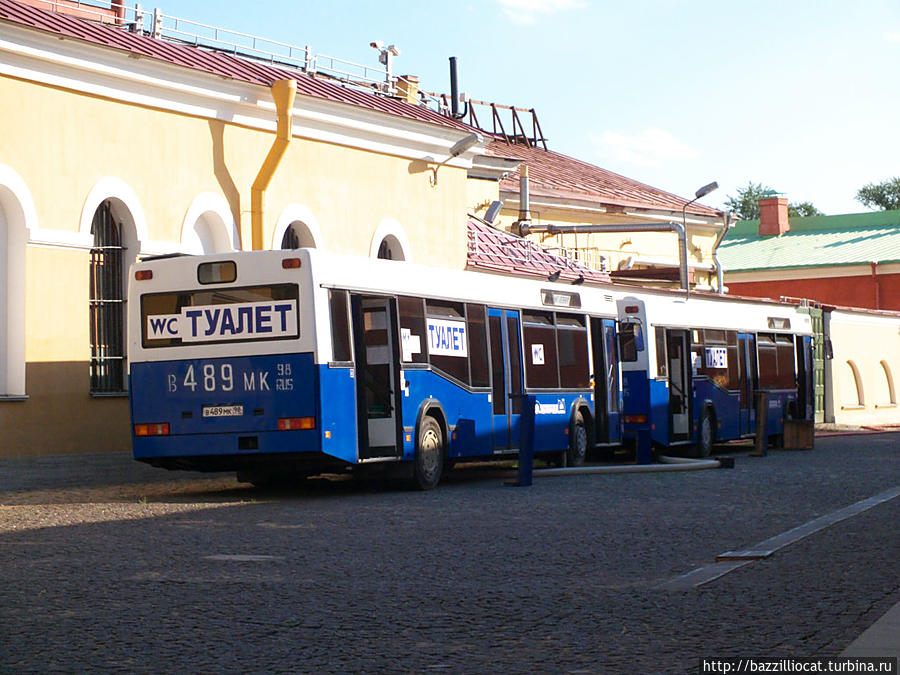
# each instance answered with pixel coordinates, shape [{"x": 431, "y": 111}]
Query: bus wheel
[
  {"x": 707, "y": 433},
  {"x": 578, "y": 442},
  {"x": 429, "y": 462}
]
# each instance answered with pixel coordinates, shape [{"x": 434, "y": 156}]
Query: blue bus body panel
[
  {"x": 726, "y": 405},
  {"x": 267, "y": 387},
  {"x": 337, "y": 403},
  {"x": 470, "y": 415},
  {"x": 471, "y": 409}
]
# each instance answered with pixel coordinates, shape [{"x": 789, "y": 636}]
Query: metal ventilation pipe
[
  {"x": 454, "y": 92},
  {"x": 524, "y": 199},
  {"x": 720, "y": 276},
  {"x": 672, "y": 226}
]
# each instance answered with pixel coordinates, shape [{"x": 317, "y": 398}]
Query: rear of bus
[{"x": 222, "y": 361}]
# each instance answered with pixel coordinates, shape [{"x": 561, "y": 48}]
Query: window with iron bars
[{"x": 107, "y": 305}]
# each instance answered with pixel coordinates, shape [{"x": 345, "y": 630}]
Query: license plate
[{"x": 223, "y": 410}]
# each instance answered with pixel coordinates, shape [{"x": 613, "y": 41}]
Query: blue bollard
[
  {"x": 526, "y": 442},
  {"x": 643, "y": 447}
]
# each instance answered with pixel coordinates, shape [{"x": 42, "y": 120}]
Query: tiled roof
[
  {"x": 815, "y": 241},
  {"x": 554, "y": 175},
  {"x": 213, "y": 63},
  {"x": 494, "y": 250}
]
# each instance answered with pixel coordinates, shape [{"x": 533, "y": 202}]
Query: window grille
[{"x": 107, "y": 304}]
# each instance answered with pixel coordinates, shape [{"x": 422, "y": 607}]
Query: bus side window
[
  {"x": 572, "y": 347},
  {"x": 541, "y": 364},
  {"x": 631, "y": 340},
  {"x": 478, "y": 358},
  {"x": 662, "y": 359},
  {"x": 340, "y": 326},
  {"x": 768, "y": 361},
  {"x": 412, "y": 329}
]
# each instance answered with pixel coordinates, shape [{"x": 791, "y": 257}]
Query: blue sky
[{"x": 801, "y": 96}]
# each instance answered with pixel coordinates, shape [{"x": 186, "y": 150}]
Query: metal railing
[{"x": 171, "y": 28}]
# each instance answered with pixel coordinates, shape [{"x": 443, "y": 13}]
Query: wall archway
[
  {"x": 857, "y": 381},
  {"x": 390, "y": 242},
  {"x": 303, "y": 223},
  {"x": 209, "y": 226},
  {"x": 17, "y": 217},
  {"x": 126, "y": 207},
  {"x": 890, "y": 397}
]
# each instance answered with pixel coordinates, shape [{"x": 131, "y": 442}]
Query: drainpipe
[
  {"x": 874, "y": 266},
  {"x": 720, "y": 282},
  {"x": 678, "y": 228},
  {"x": 283, "y": 92}
]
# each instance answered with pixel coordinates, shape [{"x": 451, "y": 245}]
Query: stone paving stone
[{"x": 150, "y": 571}]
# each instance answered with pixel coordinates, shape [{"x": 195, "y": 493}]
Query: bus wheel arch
[
  {"x": 431, "y": 446},
  {"x": 706, "y": 430},
  {"x": 579, "y": 434}
]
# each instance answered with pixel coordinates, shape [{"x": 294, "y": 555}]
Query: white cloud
[
  {"x": 651, "y": 147},
  {"x": 527, "y": 11},
  {"x": 893, "y": 36}
]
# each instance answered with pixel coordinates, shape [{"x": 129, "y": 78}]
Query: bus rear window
[
  {"x": 211, "y": 316},
  {"x": 223, "y": 272}
]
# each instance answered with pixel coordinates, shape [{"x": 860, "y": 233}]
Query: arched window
[
  {"x": 107, "y": 303},
  {"x": 890, "y": 397},
  {"x": 17, "y": 215},
  {"x": 390, "y": 249},
  {"x": 860, "y": 401},
  {"x": 298, "y": 235}
]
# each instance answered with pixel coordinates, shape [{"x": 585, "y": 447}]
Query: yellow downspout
[{"x": 283, "y": 92}]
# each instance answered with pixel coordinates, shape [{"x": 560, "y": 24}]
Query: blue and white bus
[
  {"x": 693, "y": 368},
  {"x": 277, "y": 363}
]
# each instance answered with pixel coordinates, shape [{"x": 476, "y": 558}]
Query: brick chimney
[
  {"x": 773, "y": 216},
  {"x": 408, "y": 89}
]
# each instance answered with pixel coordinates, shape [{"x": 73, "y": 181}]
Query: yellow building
[{"x": 116, "y": 144}]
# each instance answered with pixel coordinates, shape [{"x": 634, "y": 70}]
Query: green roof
[{"x": 815, "y": 241}]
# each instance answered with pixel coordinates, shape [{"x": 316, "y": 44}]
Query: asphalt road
[{"x": 106, "y": 564}]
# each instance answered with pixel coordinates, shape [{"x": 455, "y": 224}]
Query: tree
[
  {"x": 746, "y": 204},
  {"x": 884, "y": 195},
  {"x": 803, "y": 209}
]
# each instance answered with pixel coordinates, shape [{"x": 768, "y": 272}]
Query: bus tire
[
  {"x": 706, "y": 433},
  {"x": 578, "y": 441},
  {"x": 429, "y": 460}
]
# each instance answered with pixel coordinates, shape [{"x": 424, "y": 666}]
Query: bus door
[
  {"x": 506, "y": 378},
  {"x": 680, "y": 385},
  {"x": 377, "y": 350},
  {"x": 605, "y": 354},
  {"x": 748, "y": 382}
]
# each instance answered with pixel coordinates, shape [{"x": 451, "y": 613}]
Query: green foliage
[
  {"x": 803, "y": 209},
  {"x": 746, "y": 204},
  {"x": 884, "y": 195}
]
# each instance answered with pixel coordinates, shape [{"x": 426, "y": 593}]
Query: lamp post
[{"x": 700, "y": 193}]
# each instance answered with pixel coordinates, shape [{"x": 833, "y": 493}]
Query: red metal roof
[
  {"x": 213, "y": 63},
  {"x": 497, "y": 251},
  {"x": 554, "y": 175}
]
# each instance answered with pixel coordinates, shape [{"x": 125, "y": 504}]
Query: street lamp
[{"x": 456, "y": 150}]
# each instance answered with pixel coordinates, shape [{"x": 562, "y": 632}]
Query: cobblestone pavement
[{"x": 109, "y": 565}]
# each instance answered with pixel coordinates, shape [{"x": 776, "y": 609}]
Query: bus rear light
[
  {"x": 291, "y": 263},
  {"x": 635, "y": 419},
  {"x": 295, "y": 423},
  {"x": 161, "y": 429},
  {"x": 143, "y": 275},
  {"x": 632, "y": 309}
]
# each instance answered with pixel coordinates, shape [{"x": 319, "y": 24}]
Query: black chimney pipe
[{"x": 454, "y": 92}]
